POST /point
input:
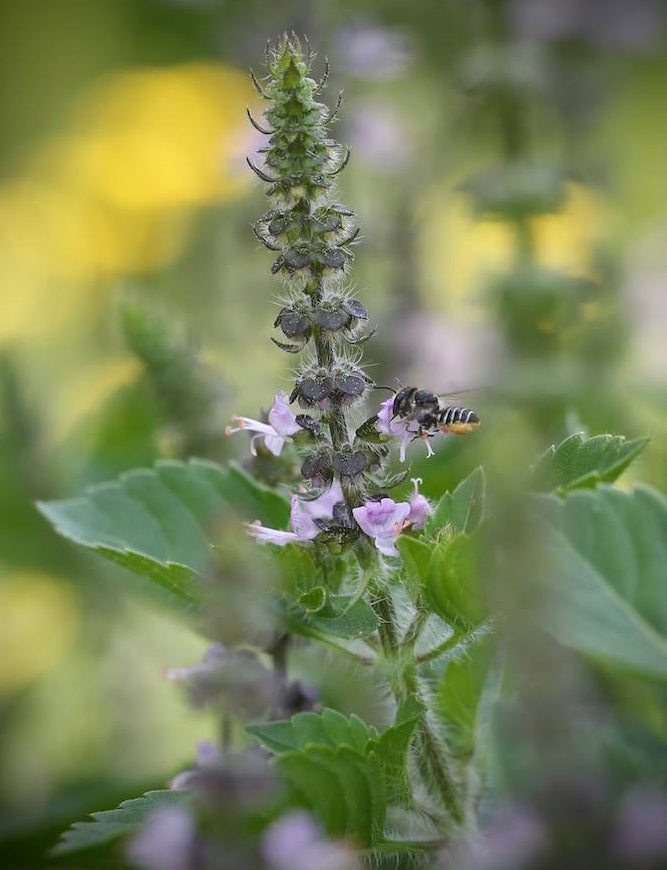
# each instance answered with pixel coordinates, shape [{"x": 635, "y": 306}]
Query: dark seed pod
[
  {"x": 277, "y": 226},
  {"x": 350, "y": 463},
  {"x": 333, "y": 258},
  {"x": 292, "y": 323},
  {"x": 310, "y": 424},
  {"x": 314, "y": 390},
  {"x": 350, "y": 385},
  {"x": 317, "y": 467},
  {"x": 295, "y": 260},
  {"x": 342, "y": 515},
  {"x": 339, "y": 208},
  {"x": 331, "y": 320},
  {"x": 355, "y": 309}
]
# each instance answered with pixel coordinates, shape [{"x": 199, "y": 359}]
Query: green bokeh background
[{"x": 122, "y": 176}]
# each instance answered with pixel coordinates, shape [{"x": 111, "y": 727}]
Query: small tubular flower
[
  {"x": 388, "y": 424},
  {"x": 420, "y": 507},
  {"x": 302, "y": 519},
  {"x": 281, "y": 426},
  {"x": 383, "y": 521}
]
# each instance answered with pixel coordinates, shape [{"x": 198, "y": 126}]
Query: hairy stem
[{"x": 432, "y": 756}]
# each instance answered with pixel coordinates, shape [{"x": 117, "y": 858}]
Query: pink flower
[
  {"x": 420, "y": 507},
  {"x": 282, "y": 424},
  {"x": 388, "y": 424},
  {"x": 302, "y": 519},
  {"x": 383, "y": 521}
]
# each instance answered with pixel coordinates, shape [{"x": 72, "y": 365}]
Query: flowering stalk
[{"x": 312, "y": 236}]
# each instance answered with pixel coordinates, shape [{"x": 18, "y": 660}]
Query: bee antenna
[{"x": 381, "y": 387}]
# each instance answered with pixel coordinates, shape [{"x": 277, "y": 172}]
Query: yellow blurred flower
[
  {"x": 115, "y": 192},
  {"x": 40, "y": 618},
  {"x": 458, "y": 251}
]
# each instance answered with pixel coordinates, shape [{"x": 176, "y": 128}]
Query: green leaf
[
  {"x": 453, "y": 585},
  {"x": 606, "y": 584},
  {"x": 584, "y": 462},
  {"x": 328, "y": 728},
  {"x": 349, "y": 618},
  {"x": 110, "y": 824},
  {"x": 463, "y": 695},
  {"x": 344, "y": 788},
  {"x": 159, "y": 522},
  {"x": 391, "y": 749},
  {"x": 416, "y": 556},
  {"x": 461, "y": 510}
]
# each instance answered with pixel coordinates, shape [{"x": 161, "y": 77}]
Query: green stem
[{"x": 409, "y": 686}]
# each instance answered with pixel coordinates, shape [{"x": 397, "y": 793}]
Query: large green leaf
[
  {"x": 452, "y": 584},
  {"x": 461, "y": 510},
  {"x": 606, "y": 575},
  {"x": 343, "y": 787},
  {"x": 111, "y": 824},
  {"x": 160, "y": 522},
  {"x": 584, "y": 462},
  {"x": 326, "y": 760}
]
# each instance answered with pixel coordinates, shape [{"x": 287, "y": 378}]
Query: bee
[{"x": 424, "y": 408}]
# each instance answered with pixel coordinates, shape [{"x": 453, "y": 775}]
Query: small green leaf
[
  {"x": 416, "y": 555},
  {"x": 606, "y": 580},
  {"x": 110, "y": 824},
  {"x": 462, "y": 696},
  {"x": 350, "y": 618},
  {"x": 391, "y": 749},
  {"x": 160, "y": 522},
  {"x": 453, "y": 584},
  {"x": 329, "y": 728},
  {"x": 461, "y": 510},
  {"x": 584, "y": 462},
  {"x": 315, "y": 600}
]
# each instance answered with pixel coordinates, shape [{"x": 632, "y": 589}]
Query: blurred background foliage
[{"x": 508, "y": 175}]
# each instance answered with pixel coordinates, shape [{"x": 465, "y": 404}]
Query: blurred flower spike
[{"x": 282, "y": 424}]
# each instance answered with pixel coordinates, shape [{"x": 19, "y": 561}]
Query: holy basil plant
[{"x": 398, "y": 585}]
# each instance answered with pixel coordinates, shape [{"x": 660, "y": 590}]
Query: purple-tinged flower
[
  {"x": 165, "y": 842},
  {"x": 302, "y": 519},
  {"x": 388, "y": 424},
  {"x": 640, "y": 836},
  {"x": 282, "y": 424},
  {"x": 374, "y": 52},
  {"x": 231, "y": 781},
  {"x": 420, "y": 507},
  {"x": 295, "y": 842},
  {"x": 209, "y": 757},
  {"x": 237, "y": 681},
  {"x": 297, "y": 697},
  {"x": 383, "y": 521}
]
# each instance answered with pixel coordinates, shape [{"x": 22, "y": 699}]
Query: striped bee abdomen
[{"x": 457, "y": 420}]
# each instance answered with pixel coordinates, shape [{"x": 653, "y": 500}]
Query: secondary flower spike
[{"x": 281, "y": 426}]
